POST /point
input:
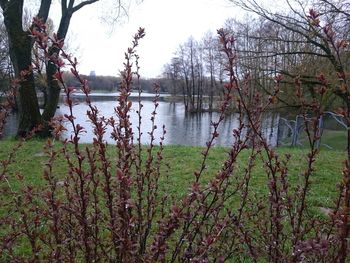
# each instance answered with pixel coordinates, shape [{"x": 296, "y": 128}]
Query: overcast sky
[{"x": 168, "y": 23}]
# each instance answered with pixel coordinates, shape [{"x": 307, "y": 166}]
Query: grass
[
  {"x": 331, "y": 140},
  {"x": 336, "y": 139},
  {"x": 184, "y": 160}
]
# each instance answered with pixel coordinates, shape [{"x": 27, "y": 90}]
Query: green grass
[
  {"x": 331, "y": 139},
  {"x": 184, "y": 160},
  {"x": 336, "y": 139}
]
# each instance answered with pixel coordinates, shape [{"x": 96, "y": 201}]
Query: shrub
[{"x": 109, "y": 208}]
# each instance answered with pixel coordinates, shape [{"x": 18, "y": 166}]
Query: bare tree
[
  {"x": 172, "y": 72},
  {"x": 265, "y": 50},
  {"x": 198, "y": 69},
  {"x": 212, "y": 55}
]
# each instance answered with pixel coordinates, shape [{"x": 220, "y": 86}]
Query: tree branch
[
  {"x": 337, "y": 9},
  {"x": 253, "y": 6},
  {"x": 44, "y": 9},
  {"x": 275, "y": 54},
  {"x": 64, "y": 6},
  {"x": 71, "y": 4},
  {"x": 276, "y": 39},
  {"x": 82, "y": 4}
]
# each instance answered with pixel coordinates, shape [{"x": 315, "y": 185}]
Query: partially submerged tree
[
  {"x": 20, "y": 49},
  {"x": 197, "y": 70}
]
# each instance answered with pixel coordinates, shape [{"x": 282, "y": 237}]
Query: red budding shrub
[{"x": 108, "y": 207}]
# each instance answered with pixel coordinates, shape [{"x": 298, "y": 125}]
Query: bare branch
[
  {"x": 275, "y": 54},
  {"x": 287, "y": 22},
  {"x": 71, "y": 4},
  {"x": 64, "y": 6},
  {"x": 82, "y": 4}
]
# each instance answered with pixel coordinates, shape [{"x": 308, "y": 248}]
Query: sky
[{"x": 168, "y": 23}]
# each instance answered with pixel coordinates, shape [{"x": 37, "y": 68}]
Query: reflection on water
[{"x": 182, "y": 128}]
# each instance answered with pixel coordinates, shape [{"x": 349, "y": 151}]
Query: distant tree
[
  {"x": 262, "y": 52},
  {"x": 176, "y": 73},
  {"x": 213, "y": 65},
  {"x": 163, "y": 84},
  {"x": 187, "y": 67},
  {"x": 172, "y": 72},
  {"x": 197, "y": 72},
  {"x": 183, "y": 62},
  {"x": 20, "y": 48}
]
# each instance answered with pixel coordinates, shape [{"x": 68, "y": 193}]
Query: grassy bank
[{"x": 184, "y": 160}]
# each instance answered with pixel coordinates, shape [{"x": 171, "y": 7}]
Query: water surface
[{"x": 181, "y": 127}]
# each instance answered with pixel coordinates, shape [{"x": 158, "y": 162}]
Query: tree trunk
[
  {"x": 20, "y": 45},
  {"x": 20, "y": 49},
  {"x": 29, "y": 114},
  {"x": 53, "y": 89},
  {"x": 211, "y": 91}
]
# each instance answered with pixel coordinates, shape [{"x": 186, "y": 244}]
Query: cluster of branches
[
  {"x": 295, "y": 43},
  {"x": 115, "y": 208},
  {"x": 197, "y": 73},
  {"x": 292, "y": 42}
]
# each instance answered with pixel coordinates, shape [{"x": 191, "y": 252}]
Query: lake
[{"x": 181, "y": 127}]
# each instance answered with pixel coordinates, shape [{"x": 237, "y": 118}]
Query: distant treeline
[
  {"x": 96, "y": 83},
  {"x": 110, "y": 83}
]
